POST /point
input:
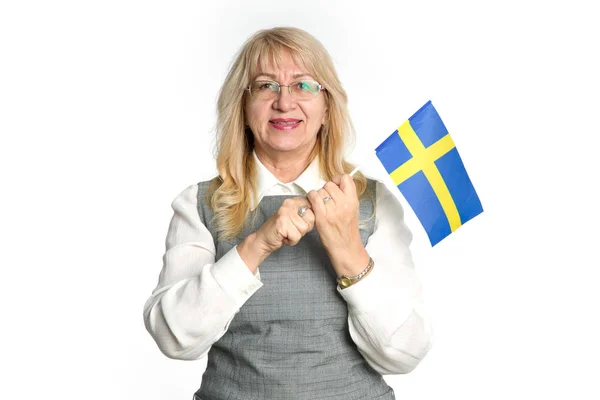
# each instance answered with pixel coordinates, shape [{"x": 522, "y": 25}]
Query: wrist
[
  {"x": 350, "y": 263},
  {"x": 252, "y": 252},
  {"x": 345, "y": 281}
]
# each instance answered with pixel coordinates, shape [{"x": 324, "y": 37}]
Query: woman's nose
[{"x": 284, "y": 100}]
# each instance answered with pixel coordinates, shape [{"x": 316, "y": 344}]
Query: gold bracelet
[{"x": 346, "y": 281}]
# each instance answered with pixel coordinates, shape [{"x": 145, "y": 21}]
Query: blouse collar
[{"x": 308, "y": 180}]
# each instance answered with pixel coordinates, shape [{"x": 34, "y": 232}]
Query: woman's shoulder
[
  {"x": 205, "y": 185},
  {"x": 192, "y": 191},
  {"x": 205, "y": 188},
  {"x": 185, "y": 196}
]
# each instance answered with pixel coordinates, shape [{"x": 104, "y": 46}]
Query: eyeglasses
[{"x": 268, "y": 90}]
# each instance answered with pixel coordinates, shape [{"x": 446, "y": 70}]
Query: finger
[
  {"x": 345, "y": 182},
  {"x": 323, "y": 192},
  {"x": 305, "y": 223},
  {"x": 309, "y": 218},
  {"x": 296, "y": 225},
  {"x": 301, "y": 202},
  {"x": 287, "y": 231},
  {"x": 334, "y": 191},
  {"x": 293, "y": 236},
  {"x": 301, "y": 223},
  {"x": 295, "y": 203},
  {"x": 325, "y": 196},
  {"x": 316, "y": 202}
]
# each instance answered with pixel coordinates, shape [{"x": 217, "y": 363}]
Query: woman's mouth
[{"x": 285, "y": 124}]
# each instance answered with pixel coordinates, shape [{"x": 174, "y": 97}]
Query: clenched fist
[{"x": 286, "y": 226}]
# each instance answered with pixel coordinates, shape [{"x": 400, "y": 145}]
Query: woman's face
[{"x": 284, "y": 125}]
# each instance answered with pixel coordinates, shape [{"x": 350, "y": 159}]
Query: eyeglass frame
[{"x": 320, "y": 87}]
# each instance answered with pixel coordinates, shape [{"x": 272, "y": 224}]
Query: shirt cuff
[
  {"x": 234, "y": 277},
  {"x": 376, "y": 292}
]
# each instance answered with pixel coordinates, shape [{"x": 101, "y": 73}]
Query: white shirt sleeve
[
  {"x": 196, "y": 298},
  {"x": 385, "y": 308}
]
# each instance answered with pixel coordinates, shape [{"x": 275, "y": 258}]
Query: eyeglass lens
[{"x": 270, "y": 89}]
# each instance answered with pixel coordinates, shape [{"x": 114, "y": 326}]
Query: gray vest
[{"x": 290, "y": 340}]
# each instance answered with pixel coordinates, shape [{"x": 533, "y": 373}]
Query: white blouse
[{"x": 197, "y": 297}]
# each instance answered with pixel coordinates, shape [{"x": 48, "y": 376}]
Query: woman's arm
[
  {"x": 385, "y": 308},
  {"x": 196, "y": 298}
]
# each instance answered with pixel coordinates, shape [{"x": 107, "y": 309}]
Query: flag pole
[{"x": 354, "y": 170}]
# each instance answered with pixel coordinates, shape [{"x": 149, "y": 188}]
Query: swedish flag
[{"x": 423, "y": 162}]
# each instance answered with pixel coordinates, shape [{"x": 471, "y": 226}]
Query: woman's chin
[
  {"x": 288, "y": 145},
  {"x": 287, "y": 149}
]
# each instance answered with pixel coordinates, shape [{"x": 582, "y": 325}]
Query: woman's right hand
[{"x": 284, "y": 227}]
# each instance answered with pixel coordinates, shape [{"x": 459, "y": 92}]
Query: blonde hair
[{"x": 231, "y": 193}]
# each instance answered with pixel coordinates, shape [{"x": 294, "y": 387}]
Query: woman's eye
[
  {"x": 268, "y": 86},
  {"x": 306, "y": 86}
]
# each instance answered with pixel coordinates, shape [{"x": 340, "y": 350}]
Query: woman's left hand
[{"x": 335, "y": 207}]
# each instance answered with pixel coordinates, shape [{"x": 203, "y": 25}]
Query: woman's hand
[
  {"x": 286, "y": 226},
  {"x": 335, "y": 208}
]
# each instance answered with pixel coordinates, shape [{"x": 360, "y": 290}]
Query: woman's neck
[{"x": 285, "y": 167}]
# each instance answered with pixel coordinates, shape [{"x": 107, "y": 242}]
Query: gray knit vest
[{"x": 290, "y": 340}]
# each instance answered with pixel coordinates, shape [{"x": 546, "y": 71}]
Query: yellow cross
[{"x": 423, "y": 159}]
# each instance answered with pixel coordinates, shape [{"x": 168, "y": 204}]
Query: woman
[{"x": 293, "y": 277}]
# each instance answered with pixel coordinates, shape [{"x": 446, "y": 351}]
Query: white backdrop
[{"x": 107, "y": 112}]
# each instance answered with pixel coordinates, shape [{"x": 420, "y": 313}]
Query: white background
[{"x": 107, "y": 112}]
